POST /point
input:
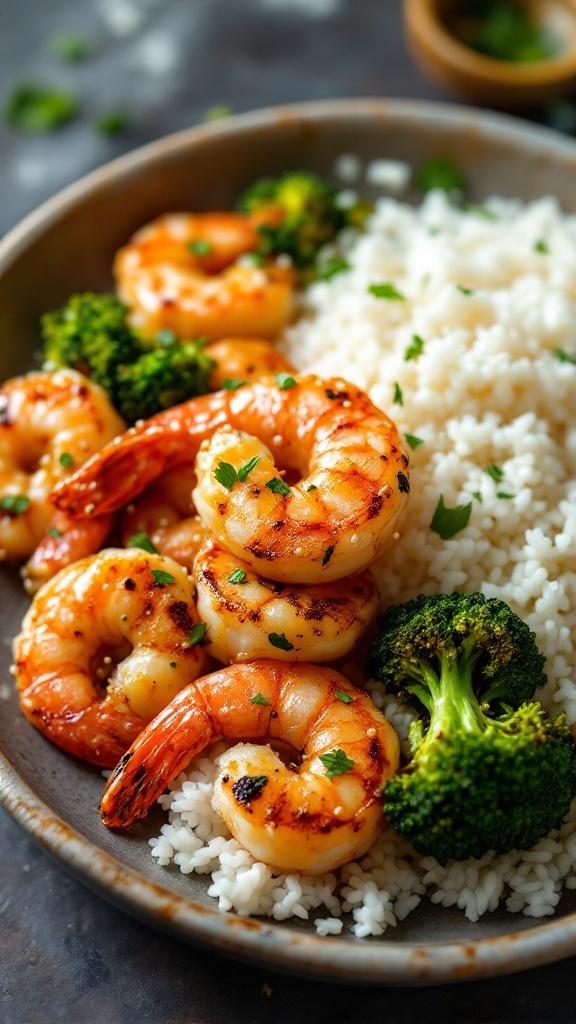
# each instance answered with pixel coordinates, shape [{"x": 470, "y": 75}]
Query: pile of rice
[{"x": 492, "y": 294}]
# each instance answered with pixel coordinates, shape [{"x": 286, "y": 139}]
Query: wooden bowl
[{"x": 503, "y": 84}]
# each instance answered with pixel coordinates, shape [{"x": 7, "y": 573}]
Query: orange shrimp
[
  {"x": 322, "y": 814},
  {"x": 242, "y": 359},
  {"x": 344, "y": 455}
]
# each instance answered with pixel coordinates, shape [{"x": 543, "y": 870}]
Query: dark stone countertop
[{"x": 65, "y": 954}]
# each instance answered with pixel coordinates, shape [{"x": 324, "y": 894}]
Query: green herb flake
[
  {"x": 565, "y": 357},
  {"x": 312, "y": 487},
  {"x": 247, "y": 467},
  {"x": 66, "y": 460},
  {"x": 386, "y": 290},
  {"x": 142, "y": 540},
  {"x": 413, "y": 441},
  {"x": 332, "y": 266},
  {"x": 496, "y": 473},
  {"x": 346, "y": 698},
  {"x": 259, "y": 698},
  {"x": 277, "y": 486},
  {"x": 226, "y": 475},
  {"x": 14, "y": 504},
  {"x": 478, "y": 496},
  {"x": 200, "y": 247},
  {"x": 172, "y": 664},
  {"x": 465, "y": 291},
  {"x": 503, "y": 494},
  {"x": 403, "y": 483},
  {"x": 217, "y": 113},
  {"x": 447, "y": 522},
  {"x": 415, "y": 349},
  {"x": 123, "y": 618},
  {"x": 52, "y": 531},
  {"x": 336, "y": 763},
  {"x": 398, "y": 396},
  {"x": 111, "y": 122},
  {"x": 279, "y": 640},
  {"x": 70, "y": 48},
  {"x": 440, "y": 172},
  {"x": 238, "y": 576},
  {"x": 232, "y": 384},
  {"x": 541, "y": 246},
  {"x": 252, "y": 259},
  {"x": 37, "y": 108},
  {"x": 196, "y": 634},
  {"x": 284, "y": 381},
  {"x": 161, "y": 578},
  {"x": 328, "y": 554}
]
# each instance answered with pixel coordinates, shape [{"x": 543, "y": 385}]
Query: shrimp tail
[{"x": 66, "y": 540}]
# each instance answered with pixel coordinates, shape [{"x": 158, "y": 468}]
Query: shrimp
[
  {"x": 242, "y": 359},
  {"x": 186, "y": 273},
  {"x": 166, "y": 513},
  {"x": 249, "y": 617},
  {"x": 50, "y": 423},
  {"x": 65, "y": 540},
  {"x": 314, "y": 818},
  {"x": 344, "y": 454},
  {"x": 104, "y": 646}
]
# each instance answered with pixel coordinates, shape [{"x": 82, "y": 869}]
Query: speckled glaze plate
[{"x": 67, "y": 246}]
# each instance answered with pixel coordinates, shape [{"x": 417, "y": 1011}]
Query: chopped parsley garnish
[
  {"x": 232, "y": 384},
  {"x": 332, "y": 266},
  {"x": 161, "y": 578},
  {"x": 277, "y": 486},
  {"x": 465, "y": 291},
  {"x": 66, "y": 460},
  {"x": 259, "y": 698},
  {"x": 386, "y": 290},
  {"x": 142, "y": 540},
  {"x": 496, "y": 473},
  {"x": 279, "y": 640},
  {"x": 403, "y": 483},
  {"x": 284, "y": 381},
  {"x": 346, "y": 698},
  {"x": 196, "y": 634},
  {"x": 238, "y": 576},
  {"x": 228, "y": 476},
  {"x": 336, "y": 763},
  {"x": 565, "y": 357},
  {"x": 503, "y": 494},
  {"x": 398, "y": 396},
  {"x": 111, "y": 122},
  {"x": 477, "y": 495},
  {"x": 413, "y": 441},
  {"x": 328, "y": 554},
  {"x": 38, "y": 108},
  {"x": 447, "y": 522},
  {"x": 312, "y": 487},
  {"x": 172, "y": 664},
  {"x": 541, "y": 246},
  {"x": 200, "y": 247},
  {"x": 70, "y": 48},
  {"x": 415, "y": 349},
  {"x": 441, "y": 172},
  {"x": 54, "y": 532},
  {"x": 14, "y": 504}
]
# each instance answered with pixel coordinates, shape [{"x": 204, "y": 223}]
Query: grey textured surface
[{"x": 65, "y": 954}]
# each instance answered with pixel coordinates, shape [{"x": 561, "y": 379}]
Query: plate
[{"x": 67, "y": 246}]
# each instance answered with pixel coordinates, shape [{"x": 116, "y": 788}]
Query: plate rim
[{"x": 259, "y": 940}]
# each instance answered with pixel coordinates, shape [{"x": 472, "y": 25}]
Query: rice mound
[{"x": 491, "y": 293}]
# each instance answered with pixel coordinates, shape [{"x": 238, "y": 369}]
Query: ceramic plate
[{"x": 67, "y": 246}]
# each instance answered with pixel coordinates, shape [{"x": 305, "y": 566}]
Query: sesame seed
[
  {"x": 354, "y": 539},
  {"x": 278, "y": 440},
  {"x": 298, "y": 551},
  {"x": 12, "y": 670},
  {"x": 107, "y": 660},
  {"x": 396, "y": 536},
  {"x": 174, "y": 425},
  {"x": 44, "y": 460},
  {"x": 371, "y": 732},
  {"x": 89, "y": 507},
  {"x": 338, "y": 811},
  {"x": 384, "y": 490},
  {"x": 346, "y": 404},
  {"x": 139, "y": 423}
]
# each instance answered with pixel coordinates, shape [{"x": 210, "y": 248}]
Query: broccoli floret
[
  {"x": 90, "y": 334},
  {"x": 489, "y": 770},
  {"x": 312, "y": 216},
  {"x": 162, "y": 378}
]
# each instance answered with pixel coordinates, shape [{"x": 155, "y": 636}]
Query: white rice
[{"x": 487, "y": 390}]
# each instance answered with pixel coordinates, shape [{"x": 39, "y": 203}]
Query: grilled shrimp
[
  {"x": 242, "y": 359},
  {"x": 166, "y": 513},
  {"x": 250, "y": 617},
  {"x": 344, "y": 457},
  {"x": 50, "y": 423},
  {"x": 186, "y": 272},
  {"x": 314, "y": 818},
  {"x": 103, "y": 648}
]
